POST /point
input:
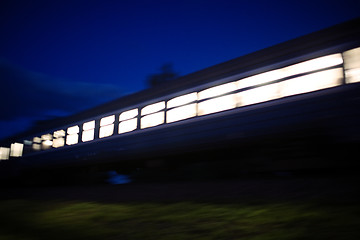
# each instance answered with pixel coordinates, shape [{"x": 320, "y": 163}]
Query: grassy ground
[{"x": 52, "y": 219}]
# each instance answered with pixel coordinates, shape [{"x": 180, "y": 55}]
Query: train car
[{"x": 291, "y": 106}]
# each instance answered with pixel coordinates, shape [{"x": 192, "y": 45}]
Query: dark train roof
[{"x": 348, "y": 32}]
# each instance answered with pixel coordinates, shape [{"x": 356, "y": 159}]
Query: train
[{"x": 294, "y": 105}]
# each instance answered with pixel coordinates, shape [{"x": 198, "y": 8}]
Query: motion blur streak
[{"x": 352, "y": 65}]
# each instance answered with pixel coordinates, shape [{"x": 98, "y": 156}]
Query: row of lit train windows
[{"x": 312, "y": 75}]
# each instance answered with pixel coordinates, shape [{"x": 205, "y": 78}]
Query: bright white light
[
  {"x": 128, "y": 114},
  {"x": 180, "y": 113},
  {"x": 314, "y": 64},
  {"x": 261, "y": 78},
  {"x": 259, "y": 94},
  {"x": 58, "y": 142},
  {"x": 36, "y": 147},
  {"x": 106, "y": 131},
  {"x": 217, "y": 104},
  {"x": 107, "y": 120},
  {"x": 312, "y": 82},
  {"x": 73, "y": 130},
  {"x": 352, "y": 65},
  {"x": 152, "y": 120},
  {"x": 128, "y": 125},
  {"x": 72, "y": 139},
  {"x": 47, "y": 144},
  {"x": 4, "y": 153},
  {"x": 16, "y": 149},
  {"x": 37, "y": 140},
  {"x": 59, "y": 134},
  {"x": 89, "y": 125},
  {"x": 46, "y": 137},
  {"x": 181, "y": 100},
  {"x": 152, "y": 108},
  {"x": 87, "y": 135},
  {"x": 218, "y": 90}
]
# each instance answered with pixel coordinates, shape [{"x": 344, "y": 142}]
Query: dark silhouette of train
[{"x": 291, "y": 106}]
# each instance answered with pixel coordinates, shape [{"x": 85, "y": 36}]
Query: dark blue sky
[{"x": 58, "y": 57}]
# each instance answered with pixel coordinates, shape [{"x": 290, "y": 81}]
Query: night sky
[{"x": 58, "y": 57}]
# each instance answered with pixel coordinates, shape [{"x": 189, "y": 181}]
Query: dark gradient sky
[{"x": 58, "y": 57}]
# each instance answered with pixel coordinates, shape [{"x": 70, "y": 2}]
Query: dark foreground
[{"x": 267, "y": 208}]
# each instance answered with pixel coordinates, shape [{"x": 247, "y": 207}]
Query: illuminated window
[
  {"x": 16, "y": 149},
  {"x": 46, "y": 141},
  {"x": 180, "y": 113},
  {"x": 261, "y": 78},
  {"x": 217, "y": 104},
  {"x": 107, "y": 126},
  {"x": 218, "y": 90},
  {"x": 73, "y": 135},
  {"x": 259, "y": 94},
  {"x": 88, "y": 131},
  {"x": 58, "y": 138},
  {"x": 128, "y": 121},
  {"x": 312, "y": 82},
  {"x": 4, "y": 153},
  {"x": 36, "y": 143},
  {"x": 181, "y": 100},
  {"x": 155, "y": 115},
  {"x": 352, "y": 65}
]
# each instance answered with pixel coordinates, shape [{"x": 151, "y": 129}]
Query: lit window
[
  {"x": 155, "y": 107},
  {"x": 46, "y": 141},
  {"x": 155, "y": 115},
  {"x": 152, "y": 120},
  {"x": 128, "y": 121},
  {"x": 88, "y": 131},
  {"x": 180, "y": 113},
  {"x": 16, "y": 149},
  {"x": 58, "y": 138},
  {"x": 352, "y": 65},
  {"x": 218, "y": 90},
  {"x": 181, "y": 100},
  {"x": 36, "y": 143},
  {"x": 259, "y": 94},
  {"x": 217, "y": 104},
  {"x": 4, "y": 153},
  {"x": 261, "y": 78},
  {"x": 107, "y": 126},
  {"x": 312, "y": 82},
  {"x": 73, "y": 135}
]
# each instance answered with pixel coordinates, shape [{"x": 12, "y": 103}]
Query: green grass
[{"x": 25, "y": 219}]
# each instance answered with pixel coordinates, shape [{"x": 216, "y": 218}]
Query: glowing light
[
  {"x": 87, "y": 135},
  {"x": 352, "y": 65},
  {"x": 16, "y": 149},
  {"x": 36, "y": 147},
  {"x": 128, "y": 114},
  {"x": 181, "y": 100},
  {"x": 106, "y": 131},
  {"x": 261, "y": 78},
  {"x": 259, "y": 94},
  {"x": 59, "y": 134},
  {"x": 312, "y": 82},
  {"x": 37, "y": 140},
  {"x": 46, "y": 137},
  {"x": 128, "y": 126},
  {"x": 89, "y": 125},
  {"x": 58, "y": 142},
  {"x": 218, "y": 90},
  {"x": 47, "y": 144},
  {"x": 217, "y": 104},
  {"x": 4, "y": 153},
  {"x": 152, "y": 108},
  {"x": 72, "y": 139},
  {"x": 314, "y": 64},
  {"x": 180, "y": 113},
  {"x": 107, "y": 120},
  {"x": 152, "y": 120},
  {"x": 73, "y": 130}
]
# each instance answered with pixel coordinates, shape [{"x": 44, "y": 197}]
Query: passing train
[{"x": 282, "y": 107}]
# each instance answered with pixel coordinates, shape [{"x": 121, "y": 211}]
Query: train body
[{"x": 299, "y": 96}]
